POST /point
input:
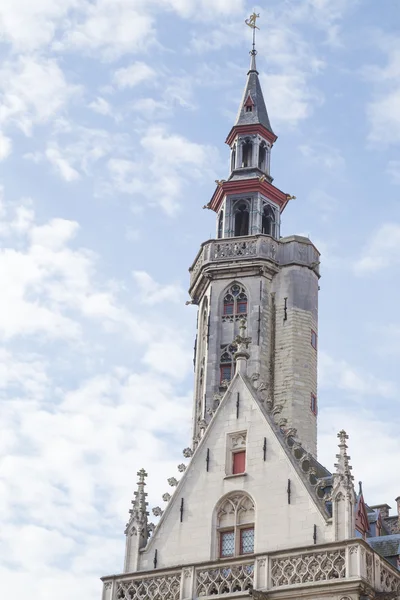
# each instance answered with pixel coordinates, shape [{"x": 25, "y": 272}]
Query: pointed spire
[
  {"x": 343, "y": 467},
  {"x": 258, "y": 114},
  {"x": 139, "y": 511}
]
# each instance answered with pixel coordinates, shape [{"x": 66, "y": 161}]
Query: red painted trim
[
  {"x": 241, "y": 539},
  {"x": 250, "y": 129},
  {"x": 224, "y": 366},
  {"x": 245, "y": 186}
]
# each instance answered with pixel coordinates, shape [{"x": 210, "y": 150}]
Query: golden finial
[
  {"x": 252, "y": 20},
  {"x": 252, "y": 23}
]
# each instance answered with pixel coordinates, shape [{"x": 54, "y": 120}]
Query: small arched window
[
  {"x": 262, "y": 157},
  {"x": 220, "y": 224},
  {"x": 235, "y": 525},
  {"x": 233, "y": 159},
  {"x": 235, "y": 302},
  {"x": 268, "y": 221},
  {"x": 247, "y": 154},
  {"x": 242, "y": 220}
]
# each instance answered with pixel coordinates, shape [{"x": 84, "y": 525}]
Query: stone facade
[
  {"x": 280, "y": 279},
  {"x": 252, "y": 512}
]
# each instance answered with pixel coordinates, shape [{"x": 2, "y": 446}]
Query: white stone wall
[{"x": 278, "y": 525}]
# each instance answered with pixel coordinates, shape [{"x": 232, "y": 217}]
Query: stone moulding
[{"x": 294, "y": 250}]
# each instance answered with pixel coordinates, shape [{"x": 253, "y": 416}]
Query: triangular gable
[
  {"x": 283, "y": 440},
  {"x": 361, "y": 516},
  {"x": 249, "y": 101}
]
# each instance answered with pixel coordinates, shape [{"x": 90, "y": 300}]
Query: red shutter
[{"x": 239, "y": 462}]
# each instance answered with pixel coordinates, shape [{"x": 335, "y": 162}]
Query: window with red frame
[
  {"x": 314, "y": 404},
  {"x": 247, "y": 541},
  {"x": 235, "y": 301},
  {"x": 238, "y": 462},
  {"x": 313, "y": 339},
  {"x": 227, "y": 543},
  {"x": 226, "y": 372}
]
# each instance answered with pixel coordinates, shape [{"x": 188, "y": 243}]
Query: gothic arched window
[
  {"x": 262, "y": 157},
  {"x": 235, "y": 525},
  {"x": 220, "y": 224},
  {"x": 247, "y": 154},
  {"x": 268, "y": 221},
  {"x": 235, "y": 301},
  {"x": 242, "y": 218},
  {"x": 233, "y": 159}
]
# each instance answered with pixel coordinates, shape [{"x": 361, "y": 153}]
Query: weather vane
[{"x": 252, "y": 22}]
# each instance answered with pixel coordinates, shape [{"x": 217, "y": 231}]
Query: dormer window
[
  {"x": 249, "y": 109},
  {"x": 248, "y": 105}
]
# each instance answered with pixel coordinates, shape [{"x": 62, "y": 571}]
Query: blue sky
[{"x": 113, "y": 116}]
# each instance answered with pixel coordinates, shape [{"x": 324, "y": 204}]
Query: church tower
[
  {"x": 249, "y": 271},
  {"x": 250, "y": 511}
]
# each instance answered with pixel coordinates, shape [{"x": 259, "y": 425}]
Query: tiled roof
[{"x": 386, "y": 545}]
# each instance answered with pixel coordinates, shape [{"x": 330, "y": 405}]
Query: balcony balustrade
[
  {"x": 351, "y": 562},
  {"x": 286, "y": 251}
]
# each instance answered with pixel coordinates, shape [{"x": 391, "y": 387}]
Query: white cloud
[
  {"x": 66, "y": 171},
  {"x": 151, "y": 292},
  {"x": 383, "y": 112},
  {"x": 323, "y": 155},
  {"x": 393, "y": 170},
  {"x": 128, "y": 77},
  {"x": 169, "y": 161},
  {"x": 29, "y": 25},
  {"x": 340, "y": 375},
  {"x": 112, "y": 27},
  {"x": 32, "y": 91},
  {"x": 101, "y": 106},
  {"x": 5, "y": 146},
  {"x": 382, "y": 252},
  {"x": 289, "y": 97},
  {"x": 325, "y": 203}
]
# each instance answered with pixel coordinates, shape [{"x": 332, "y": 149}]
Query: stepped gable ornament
[
  {"x": 173, "y": 482},
  {"x": 188, "y": 452},
  {"x": 166, "y": 497},
  {"x": 157, "y": 511},
  {"x": 181, "y": 468}
]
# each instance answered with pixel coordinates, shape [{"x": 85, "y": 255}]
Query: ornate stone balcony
[
  {"x": 293, "y": 250},
  {"x": 347, "y": 567}
]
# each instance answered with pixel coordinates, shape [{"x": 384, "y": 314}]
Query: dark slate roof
[
  {"x": 386, "y": 545},
  {"x": 259, "y": 114}
]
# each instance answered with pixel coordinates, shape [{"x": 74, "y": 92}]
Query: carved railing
[
  {"x": 308, "y": 568},
  {"x": 166, "y": 587},
  {"x": 286, "y": 251},
  {"x": 228, "y": 579},
  {"x": 327, "y": 564}
]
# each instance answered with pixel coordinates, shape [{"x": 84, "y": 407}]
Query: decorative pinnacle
[
  {"x": 343, "y": 468},
  {"x": 241, "y": 341}
]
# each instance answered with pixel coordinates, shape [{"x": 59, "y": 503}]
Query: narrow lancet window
[
  {"x": 268, "y": 221},
  {"x": 242, "y": 220},
  {"x": 233, "y": 159},
  {"x": 247, "y": 154},
  {"x": 220, "y": 224},
  {"x": 262, "y": 157}
]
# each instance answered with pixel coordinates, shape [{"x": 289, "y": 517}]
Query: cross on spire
[{"x": 251, "y": 22}]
